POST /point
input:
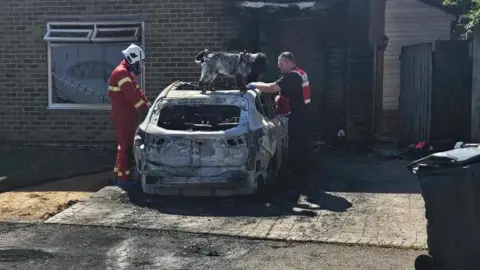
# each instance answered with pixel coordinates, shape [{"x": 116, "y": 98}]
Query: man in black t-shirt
[{"x": 293, "y": 84}]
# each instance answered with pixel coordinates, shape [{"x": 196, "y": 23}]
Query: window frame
[
  {"x": 119, "y": 39},
  {"x": 53, "y": 41},
  {"x": 270, "y": 105},
  {"x": 259, "y": 107},
  {"x": 68, "y": 39},
  {"x": 264, "y": 100}
]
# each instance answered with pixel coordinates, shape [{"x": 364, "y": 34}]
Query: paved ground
[
  {"x": 357, "y": 199},
  {"x": 71, "y": 247},
  {"x": 27, "y": 166}
]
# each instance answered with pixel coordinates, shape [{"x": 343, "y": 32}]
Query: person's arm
[
  {"x": 279, "y": 86},
  {"x": 133, "y": 93},
  {"x": 144, "y": 98},
  {"x": 267, "y": 87}
]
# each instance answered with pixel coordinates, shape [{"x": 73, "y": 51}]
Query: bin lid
[{"x": 451, "y": 158}]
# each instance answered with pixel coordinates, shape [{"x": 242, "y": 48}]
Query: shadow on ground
[
  {"x": 28, "y": 167},
  {"x": 282, "y": 204},
  {"x": 364, "y": 172},
  {"x": 333, "y": 171}
]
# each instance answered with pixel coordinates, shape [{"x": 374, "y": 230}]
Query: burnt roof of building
[
  {"x": 260, "y": 4},
  {"x": 275, "y": 5},
  {"x": 303, "y": 8},
  {"x": 282, "y": 8}
]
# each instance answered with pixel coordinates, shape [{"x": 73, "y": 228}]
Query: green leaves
[{"x": 468, "y": 8}]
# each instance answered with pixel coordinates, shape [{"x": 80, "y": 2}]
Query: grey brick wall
[{"x": 174, "y": 33}]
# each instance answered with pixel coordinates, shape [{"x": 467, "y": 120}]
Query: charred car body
[{"x": 219, "y": 143}]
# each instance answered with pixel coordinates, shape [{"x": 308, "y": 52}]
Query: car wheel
[{"x": 138, "y": 180}]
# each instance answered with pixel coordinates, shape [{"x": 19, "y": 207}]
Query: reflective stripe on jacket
[
  {"x": 305, "y": 84},
  {"x": 123, "y": 88}
]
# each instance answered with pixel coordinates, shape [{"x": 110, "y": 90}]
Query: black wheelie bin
[{"x": 450, "y": 184}]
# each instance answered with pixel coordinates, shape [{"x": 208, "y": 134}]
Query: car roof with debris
[
  {"x": 195, "y": 93},
  {"x": 185, "y": 90}
]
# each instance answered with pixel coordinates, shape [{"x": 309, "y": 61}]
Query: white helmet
[{"x": 134, "y": 54}]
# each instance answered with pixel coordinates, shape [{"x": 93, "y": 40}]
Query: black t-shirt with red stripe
[{"x": 291, "y": 87}]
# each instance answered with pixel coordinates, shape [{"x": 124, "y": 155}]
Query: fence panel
[{"x": 415, "y": 93}]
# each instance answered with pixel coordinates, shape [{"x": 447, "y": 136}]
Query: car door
[
  {"x": 283, "y": 128},
  {"x": 275, "y": 125},
  {"x": 268, "y": 129},
  {"x": 283, "y": 131}
]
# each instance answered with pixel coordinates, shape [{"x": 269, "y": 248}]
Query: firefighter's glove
[{"x": 252, "y": 86}]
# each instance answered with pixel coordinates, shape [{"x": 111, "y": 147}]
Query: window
[
  {"x": 81, "y": 57},
  {"x": 264, "y": 105},
  {"x": 259, "y": 107},
  {"x": 268, "y": 100}
]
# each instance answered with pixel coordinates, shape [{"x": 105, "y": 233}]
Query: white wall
[{"x": 409, "y": 22}]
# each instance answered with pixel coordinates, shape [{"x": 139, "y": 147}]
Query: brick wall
[
  {"x": 174, "y": 33},
  {"x": 348, "y": 97}
]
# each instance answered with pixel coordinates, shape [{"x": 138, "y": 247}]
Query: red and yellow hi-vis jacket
[
  {"x": 124, "y": 91},
  {"x": 282, "y": 104}
]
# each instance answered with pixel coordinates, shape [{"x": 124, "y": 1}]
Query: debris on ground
[
  {"x": 60, "y": 208},
  {"x": 318, "y": 145}
]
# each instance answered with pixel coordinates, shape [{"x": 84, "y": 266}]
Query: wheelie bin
[{"x": 450, "y": 184}]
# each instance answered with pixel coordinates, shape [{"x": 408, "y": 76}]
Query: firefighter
[
  {"x": 127, "y": 100},
  {"x": 294, "y": 89}
]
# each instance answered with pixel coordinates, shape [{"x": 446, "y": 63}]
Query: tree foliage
[{"x": 467, "y": 8}]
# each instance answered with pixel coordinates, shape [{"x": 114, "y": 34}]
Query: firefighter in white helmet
[{"x": 127, "y": 100}]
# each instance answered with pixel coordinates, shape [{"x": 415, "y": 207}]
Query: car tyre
[{"x": 138, "y": 190}]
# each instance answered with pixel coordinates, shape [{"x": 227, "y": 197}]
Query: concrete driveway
[{"x": 354, "y": 199}]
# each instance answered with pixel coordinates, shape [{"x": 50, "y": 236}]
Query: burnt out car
[{"x": 218, "y": 143}]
